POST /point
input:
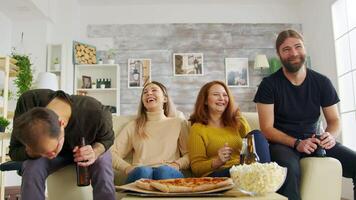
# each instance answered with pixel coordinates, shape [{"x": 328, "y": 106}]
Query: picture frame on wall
[
  {"x": 236, "y": 72},
  {"x": 83, "y": 53},
  {"x": 86, "y": 82},
  {"x": 188, "y": 64},
  {"x": 139, "y": 72}
]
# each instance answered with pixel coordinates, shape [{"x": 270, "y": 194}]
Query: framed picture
[
  {"x": 83, "y": 53},
  {"x": 188, "y": 64},
  {"x": 86, "y": 82},
  {"x": 139, "y": 72},
  {"x": 236, "y": 70}
]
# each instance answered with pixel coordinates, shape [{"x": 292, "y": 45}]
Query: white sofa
[{"x": 321, "y": 177}]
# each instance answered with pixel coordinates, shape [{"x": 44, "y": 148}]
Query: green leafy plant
[
  {"x": 24, "y": 77},
  {"x": 4, "y": 122}
]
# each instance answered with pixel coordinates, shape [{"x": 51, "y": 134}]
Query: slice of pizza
[
  {"x": 184, "y": 185},
  {"x": 145, "y": 184}
]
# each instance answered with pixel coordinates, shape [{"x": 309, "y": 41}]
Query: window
[{"x": 344, "y": 24}]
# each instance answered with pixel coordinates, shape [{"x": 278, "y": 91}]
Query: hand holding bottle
[
  {"x": 84, "y": 155},
  {"x": 224, "y": 153}
]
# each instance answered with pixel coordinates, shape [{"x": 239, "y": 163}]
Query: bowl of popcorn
[{"x": 258, "y": 178}]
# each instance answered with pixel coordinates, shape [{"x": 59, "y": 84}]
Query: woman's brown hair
[
  {"x": 231, "y": 115},
  {"x": 168, "y": 108}
]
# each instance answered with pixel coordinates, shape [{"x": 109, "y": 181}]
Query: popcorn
[{"x": 258, "y": 178}]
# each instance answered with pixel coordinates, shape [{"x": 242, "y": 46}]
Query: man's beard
[{"x": 292, "y": 68}]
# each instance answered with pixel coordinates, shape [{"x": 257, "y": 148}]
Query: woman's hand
[
  {"x": 129, "y": 169},
  {"x": 174, "y": 165},
  {"x": 224, "y": 155}
]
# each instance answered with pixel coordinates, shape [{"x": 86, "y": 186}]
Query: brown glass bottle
[
  {"x": 248, "y": 154},
  {"x": 83, "y": 177}
]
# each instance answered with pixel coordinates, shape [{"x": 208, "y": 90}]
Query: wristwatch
[{"x": 296, "y": 143}]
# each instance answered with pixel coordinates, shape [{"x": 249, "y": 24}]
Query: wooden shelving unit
[{"x": 8, "y": 66}]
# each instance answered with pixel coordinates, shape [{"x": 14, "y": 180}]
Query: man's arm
[
  {"x": 331, "y": 114},
  {"x": 266, "y": 119},
  {"x": 332, "y": 130}
]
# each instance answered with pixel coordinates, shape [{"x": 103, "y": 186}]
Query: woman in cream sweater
[
  {"x": 157, "y": 139},
  {"x": 217, "y": 130}
]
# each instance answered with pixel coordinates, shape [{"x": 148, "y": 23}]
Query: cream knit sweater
[{"x": 166, "y": 143}]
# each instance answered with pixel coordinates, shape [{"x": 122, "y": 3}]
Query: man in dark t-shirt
[
  {"x": 47, "y": 133},
  {"x": 288, "y": 104}
]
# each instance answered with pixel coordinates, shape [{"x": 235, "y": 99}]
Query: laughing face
[
  {"x": 292, "y": 54},
  {"x": 218, "y": 99},
  {"x": 153, "y": 98}
]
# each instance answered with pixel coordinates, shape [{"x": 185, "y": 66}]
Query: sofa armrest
[{"x": 321, "y": 178}]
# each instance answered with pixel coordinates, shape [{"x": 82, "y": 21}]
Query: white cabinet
[
  {"x": 86, "y": 77},
  {"x": 55, "y": 62}
]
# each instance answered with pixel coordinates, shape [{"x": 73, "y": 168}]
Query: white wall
[
  {"x": 318, "y": 32},
  {"x": 5, "y": 31},
  {"x": 34, "y": 41},
  {"x": 64, "y": 30}
]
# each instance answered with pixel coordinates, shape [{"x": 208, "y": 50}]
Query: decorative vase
[{"x": 111, "y": 61}]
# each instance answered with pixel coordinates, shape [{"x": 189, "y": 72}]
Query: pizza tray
[{"x": 131, "y": 189}]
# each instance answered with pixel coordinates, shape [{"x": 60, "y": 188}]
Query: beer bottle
[
  {"x": 319, "y": 151},
  {"x": 249, "y": 154},
  {"x": 243, "y": 152},
  {"x": 83, "y": 178}
]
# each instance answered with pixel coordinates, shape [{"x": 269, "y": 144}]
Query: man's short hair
[
  {"x": 282, "y": 36},
  {"x": 34, "y": 124}
]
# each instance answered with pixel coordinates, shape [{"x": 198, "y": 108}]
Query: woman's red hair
[{"x": 231, "y": 115}]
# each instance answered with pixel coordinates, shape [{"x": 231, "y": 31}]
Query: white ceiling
[
  {"x": 20, "y": 10},
  {"x": 176, "y": 2},
  {"x": 26, "y": 10}
]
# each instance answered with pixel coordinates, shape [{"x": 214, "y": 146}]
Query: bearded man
[{"x": 288, "y": 105}]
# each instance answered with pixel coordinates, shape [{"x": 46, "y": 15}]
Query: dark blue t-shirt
[{"x": 296, "y": 108}]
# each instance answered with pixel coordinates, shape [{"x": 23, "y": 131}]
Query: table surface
[{"x": 271, "y": 196}]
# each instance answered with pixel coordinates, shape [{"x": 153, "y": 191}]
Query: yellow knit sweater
[
  {"x": 166, "y": 143},
  {"x": 205, "y": 141}
]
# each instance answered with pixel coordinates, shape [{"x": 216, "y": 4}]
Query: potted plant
[
  {"x": 56, "y": 64},
  {"x": 3, "y": 124},
  {"x": 111, "y": 56},
  {"x": 24, "y": 76}
]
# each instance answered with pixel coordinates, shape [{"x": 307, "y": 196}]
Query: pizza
[
  {"x": 145, "y": 184},
  {"x": 183, "y": 185}
]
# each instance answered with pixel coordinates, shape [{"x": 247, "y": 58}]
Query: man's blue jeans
[{"x": 156, "y": 173}]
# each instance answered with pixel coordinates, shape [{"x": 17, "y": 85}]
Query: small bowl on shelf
[{"x": 258, "y": 178}]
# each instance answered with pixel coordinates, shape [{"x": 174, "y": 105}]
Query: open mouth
[{"x": 150, "y": 99}]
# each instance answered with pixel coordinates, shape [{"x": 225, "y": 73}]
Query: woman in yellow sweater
[
  {"x": 217, "y": 130},
  {"x": 157, "y": 139}
]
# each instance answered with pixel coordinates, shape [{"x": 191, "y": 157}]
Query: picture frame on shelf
[
  {"x": 86, "y": 82},
  {"x": 83, "y": 53},
  {"x": 188, "y": 64},
  {"x": 139, "y": 72},
  {"x": 236, "y": 72}
]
